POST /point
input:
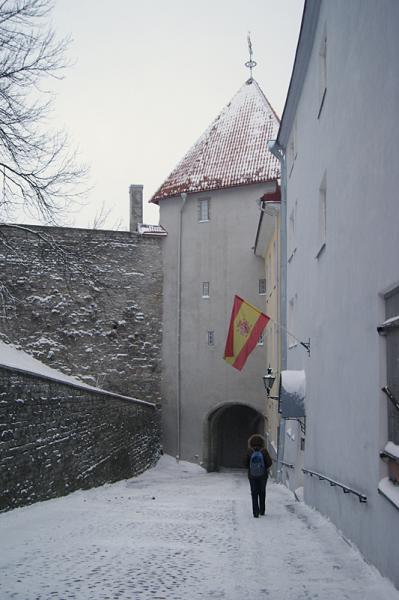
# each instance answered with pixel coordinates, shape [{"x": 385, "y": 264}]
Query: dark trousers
[{"x": 258, "y": 493}]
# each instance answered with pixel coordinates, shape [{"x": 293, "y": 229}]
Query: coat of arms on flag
[{"x": 246, "y": 325}]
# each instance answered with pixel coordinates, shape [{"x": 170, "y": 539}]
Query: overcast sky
[{"x": 148, "y": 77}]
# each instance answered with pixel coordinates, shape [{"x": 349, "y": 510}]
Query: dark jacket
[{"x": 257, "y": 442}]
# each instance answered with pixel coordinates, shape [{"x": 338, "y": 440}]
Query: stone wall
[
  {"x": 56, "y": 438},
  {"x": 86, "y": 302}
]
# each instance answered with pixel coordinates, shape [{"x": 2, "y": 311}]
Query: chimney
[{"x": 136, "y": 206}]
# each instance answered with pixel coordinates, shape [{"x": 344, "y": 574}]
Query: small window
[
  {"x": 261, "y": 340},
  {"x": 292, "y": 149},
  {"x": 292, "y": 342},
  {"x": 322, "y": 216},
  {"x": 392, "y": 350},
  {"x": 205, "y": 289},
  {"x": 211, "y": 338},
  {"x": 292, "y": 225},
  {"x": 302, "y": 444},
  {"x": 203, "y": 210},
  {"x": 262, "y": 286},
  {"x": 322, "y": 72}
]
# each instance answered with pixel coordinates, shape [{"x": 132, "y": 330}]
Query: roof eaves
[
  {"x": 304, "y": 48},
  {"x": 204, "y": 190}
]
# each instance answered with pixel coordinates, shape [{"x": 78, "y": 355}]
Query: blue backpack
[{"x": 257, "y": 464}]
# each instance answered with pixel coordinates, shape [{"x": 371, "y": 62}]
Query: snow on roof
[
  {"x": 292, "y": 394},
  {"x": 293, "y": 382},
  {"x": 13, "y": 358},
  {"x": 392, "y": 449},
  {"x": 233, "y": 150},
  {"x": 390, "y": 490}
]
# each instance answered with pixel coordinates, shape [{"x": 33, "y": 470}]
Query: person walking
[{"x": 258, "y": 462}]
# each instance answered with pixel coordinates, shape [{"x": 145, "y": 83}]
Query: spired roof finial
[{"x": 250, "y": 64}]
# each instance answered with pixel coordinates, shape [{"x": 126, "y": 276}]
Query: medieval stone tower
[{"x": 208, "y": 207}]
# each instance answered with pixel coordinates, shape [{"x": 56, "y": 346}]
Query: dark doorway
[{"x": 229, "y": 429}]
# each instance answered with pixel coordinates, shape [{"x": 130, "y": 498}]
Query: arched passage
[{"x": 229, "y": 428}]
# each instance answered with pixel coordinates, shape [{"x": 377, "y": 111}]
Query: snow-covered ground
[{"x": 178, "y": 533}]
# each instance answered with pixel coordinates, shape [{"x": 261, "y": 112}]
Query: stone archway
[{"x": 229, "y": 428}]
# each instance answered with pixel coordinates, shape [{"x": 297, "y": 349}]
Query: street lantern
[{"x": 268, "y": 380}]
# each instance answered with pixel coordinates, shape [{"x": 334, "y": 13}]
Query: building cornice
[{"x": 310, "y": 19}]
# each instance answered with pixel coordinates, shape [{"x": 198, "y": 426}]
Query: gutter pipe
[
  {"x": 278, "y": 151},
  {"x": 178, "y": 361}
]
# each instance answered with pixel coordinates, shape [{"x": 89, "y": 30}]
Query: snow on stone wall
[
  {"x": 55, "y": 438},
  {"x": 86, "y": 302}
]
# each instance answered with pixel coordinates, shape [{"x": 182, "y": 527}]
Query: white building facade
[
  {"x": 209, "y": 210},
  {"x": 340, "y": 132}
]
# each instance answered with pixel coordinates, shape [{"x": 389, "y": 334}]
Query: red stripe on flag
[
  {"x": 251, "y": 342},
  {"x": 229, "y": 349}
]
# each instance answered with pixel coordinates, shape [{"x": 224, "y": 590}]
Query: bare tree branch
[{"x": 37, "y": 170}]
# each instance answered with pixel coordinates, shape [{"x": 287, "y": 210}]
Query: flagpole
[{"x": 306, "y": 345}]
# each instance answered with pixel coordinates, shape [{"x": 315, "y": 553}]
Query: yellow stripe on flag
[{"x": 246, "y": 325}]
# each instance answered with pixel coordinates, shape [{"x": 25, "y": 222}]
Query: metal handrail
[
  {"x": 289, "y": 465},
  {"x": 285, "y": 464},
  {"x": 346, "y": 489}
]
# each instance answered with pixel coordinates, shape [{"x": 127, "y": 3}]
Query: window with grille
[
  {"x": 203, "y": 210},
  {"x": 262, "y": 286},
  {"x": 391, "y": 330},
  {"x": 211, "y": 338},
  {"x": 205, "y": 289}
]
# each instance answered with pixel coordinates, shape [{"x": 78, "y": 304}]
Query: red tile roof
[{"x": 232, "y": 151}]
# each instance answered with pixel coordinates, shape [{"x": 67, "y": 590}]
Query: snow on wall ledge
[
  {"x": 87, "y": 303},
  {"x": 55, "y": 438}
]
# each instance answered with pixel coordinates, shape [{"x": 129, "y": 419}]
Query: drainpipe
[
  {"x": 178, "y": 362},
  {"x": 278, "y": 151}
]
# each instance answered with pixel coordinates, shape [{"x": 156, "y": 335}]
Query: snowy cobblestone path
[{"x": 178, "y": 533}]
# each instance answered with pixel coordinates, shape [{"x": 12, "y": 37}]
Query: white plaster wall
[
  {"x": 219, "y": 251},
  {"x": 339, "y": 295},
  {"x": 169, "y": 219}
]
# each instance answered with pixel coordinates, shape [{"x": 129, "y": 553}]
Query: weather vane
[{"x": 250, "y": 63}]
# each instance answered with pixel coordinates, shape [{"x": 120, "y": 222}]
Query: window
[
  {"x": 292, "y": 223},
  {"x": 322, "y": 72},
  {"x": 322, "y": 216},
  {"x": 203, "y": 210},
  {"x": 391, "y": 330},
  {"x": 275, "y": 342},
  {"x": 262, "y": 286},
  {"x": 205, "y": 289},
  {"x": 302, "y": 444},
  {"x": 261, "y": 340},
  {"x": 291, "y": 321},
  {"x": 292, "y": 148},
  {"x": 211, "y": 338}
]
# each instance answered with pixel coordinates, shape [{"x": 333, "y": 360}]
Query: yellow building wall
[{"x": 272, "y": 332}]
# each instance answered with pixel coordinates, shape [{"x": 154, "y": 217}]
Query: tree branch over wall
[{"x": 37, "y": 170}]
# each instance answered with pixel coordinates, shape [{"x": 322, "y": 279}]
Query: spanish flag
[{"x": 246, "y": 326}]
